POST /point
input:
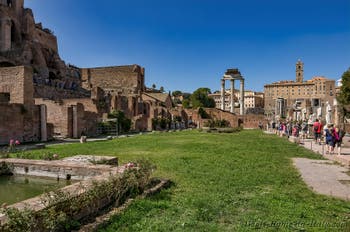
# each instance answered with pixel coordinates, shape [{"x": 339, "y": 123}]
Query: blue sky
[{"x": 187, "y": 44}]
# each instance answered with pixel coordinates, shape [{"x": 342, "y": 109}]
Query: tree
[
  {"x": 344, "y": 95},
  {"x": 154, "y": 86},
  {"x": 176, "y": 93},
  {"x": 200, "y": 98},
  {"x": 161, "y": 89},
  {"x": 123, "y": 122},
  {"x": 186, "y": 103}
]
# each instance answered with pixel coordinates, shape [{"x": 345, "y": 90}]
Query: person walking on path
[
  {"x": 329, "y": 138},
  {"x": 338, "y": 138},
  {"x": 317, "y": 131}
]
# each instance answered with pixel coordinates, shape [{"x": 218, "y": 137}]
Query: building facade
[
  {"x": 253, "y": 101},
  {"x": 299, "y": 99}
]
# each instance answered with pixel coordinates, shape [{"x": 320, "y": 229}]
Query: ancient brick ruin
[{"x": 41, "y": 96}]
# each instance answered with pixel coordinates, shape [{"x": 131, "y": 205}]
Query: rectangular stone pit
[{"x": 76, "y": 168}]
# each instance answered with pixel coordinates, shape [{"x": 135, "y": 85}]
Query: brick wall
[
  {"x": 115, "y": 80},
  {"x": 60, "y": 115},
  {"x": 11, "y": 123},
  {"x": 18, "y": 82},
  {"x": 247, "y": 121}
]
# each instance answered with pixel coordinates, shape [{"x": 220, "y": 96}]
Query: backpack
[{"x": 316, "y": 128}]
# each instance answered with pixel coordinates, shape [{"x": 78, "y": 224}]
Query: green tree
[
  {"x": 186, "y": 103},
  {"x": 200, "y": 98},
  {"x": 176, "y": 93},
  {"x": 344, "y": 95},
  {"x": 123, "y": 122},
  {"x": 161, "y": 89}
]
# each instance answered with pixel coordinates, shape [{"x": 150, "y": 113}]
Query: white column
[
  {"x": 232, "y": 96},
  {"x": 241, "y": 101},
  {"x": 223, "y": 94},
  {"x": 43, "y": 121}
]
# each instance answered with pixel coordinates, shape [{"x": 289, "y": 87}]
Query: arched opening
[
  {"x": 4, "y": 64},
  {"x": 240, "y": 122},
  {"x": 15, "y": 35},
  {"x": 52, "y": 76}
]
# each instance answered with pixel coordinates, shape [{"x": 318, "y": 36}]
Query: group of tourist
[
  {"x": 289, "y": 128},
  {"x": 332, "y": 135}
]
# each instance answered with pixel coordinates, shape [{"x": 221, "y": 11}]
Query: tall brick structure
[
  {"x": 41, "y": 96},
  {"x": 19, "y": 117}
]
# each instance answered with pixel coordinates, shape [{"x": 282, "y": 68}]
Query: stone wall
[
  {"x": 46, "y": 39},
  {"x": 250, "y": 121},
  {"x": 70, "y": 117},
  {"x": 18, "y": 82},
  {"x": 116, "y": 80},
  {"x": 59, "y": 168},
  {"x": 11, "y": 122},
  {"x": 16, "y": 122}
]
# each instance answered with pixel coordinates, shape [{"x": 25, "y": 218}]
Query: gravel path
[{"x": 325, "y": 177}]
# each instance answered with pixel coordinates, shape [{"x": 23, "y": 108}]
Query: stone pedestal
[{"x": 43, "y": 121}]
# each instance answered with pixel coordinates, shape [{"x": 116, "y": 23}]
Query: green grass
[{"x": 223, "y": 182}]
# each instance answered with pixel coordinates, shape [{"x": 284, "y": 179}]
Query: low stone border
[
  {"x": 104, "y": 219},
  {"x": 87, "y": 172},
  {"x": 74, "y": 167}
]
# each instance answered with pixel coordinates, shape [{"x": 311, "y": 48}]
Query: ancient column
[
  {"x": 232, "y": 96},
  {"x": 43, "y": 121},
  {"x": 223, "y": 94},
  {"x": 241, "y": 101}
]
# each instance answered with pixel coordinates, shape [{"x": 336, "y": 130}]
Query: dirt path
[{"x": 325, "y": 177}]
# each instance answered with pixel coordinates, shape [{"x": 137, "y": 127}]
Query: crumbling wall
[
  {"x": 249, "y": 121},
  {"x": 118, "y": 80},
  {"x": 11, "y": 122},
  {"x": 18, "y": 82},
  {"x": 70, "y": 117}
]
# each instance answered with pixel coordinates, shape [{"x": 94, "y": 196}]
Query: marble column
[
  {"x": 223, "y": 94},
  {"x": 232, "y": 96},
  {"x": 241, "y": 101}
]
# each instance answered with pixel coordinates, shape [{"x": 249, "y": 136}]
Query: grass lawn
[{"x": 223, "y": 182}]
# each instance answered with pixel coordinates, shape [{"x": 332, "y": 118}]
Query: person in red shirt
[{"x": 317, "y": 130}]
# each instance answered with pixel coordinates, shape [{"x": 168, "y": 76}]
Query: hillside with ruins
[
  {"x": 25, "y": 42},
  {"x": 42, "y": 97}
]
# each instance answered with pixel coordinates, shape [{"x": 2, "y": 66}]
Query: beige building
[
  {"x": 300, "y": 100},
  {"x": 253, "y": 101}
]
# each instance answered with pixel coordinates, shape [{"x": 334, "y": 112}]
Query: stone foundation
[{"x": 78, "y": 168}]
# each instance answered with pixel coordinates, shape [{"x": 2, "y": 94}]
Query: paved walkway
[
  {"x": 325, "y": 177},
  {"x": 343, "y": 158}
]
